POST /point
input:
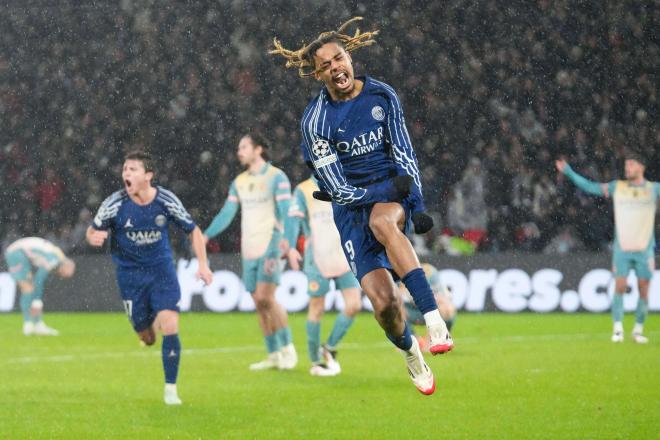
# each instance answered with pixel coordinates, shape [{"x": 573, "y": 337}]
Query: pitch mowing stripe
[{"x": 345, "y": 346}]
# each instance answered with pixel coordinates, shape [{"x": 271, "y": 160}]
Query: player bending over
[{"x": 30, "y": 261}]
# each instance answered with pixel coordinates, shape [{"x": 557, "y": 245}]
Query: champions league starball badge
[{"x": 320, "y": 147}]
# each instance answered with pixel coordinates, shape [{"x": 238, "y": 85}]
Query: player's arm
[
  {"x": 282, "y": 195},
  {"x": 97, "y": 232},
  {"x": 402, "y": 149},
  {"x": 321, "y": 156},
  {"x": 296, "y": 216},
  {"x": 224, "y": 218},
  {"x": 199, "y": 249},
  {"x": 177, "y": 213},
  {"x": 586, "y": 185}
]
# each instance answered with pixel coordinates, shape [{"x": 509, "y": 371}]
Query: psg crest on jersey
[
  {"x": 160, "y": 220},
  {"x": 320, "y": 147},
  {"x": 378, "y": 113}
]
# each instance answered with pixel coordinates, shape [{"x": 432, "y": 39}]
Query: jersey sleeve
[
  {"x": 587, "y": 185},
  {"x": 297, "y": 214},
  {"x": 223, "y": 219},
  {"x": 105, "y": 216},
  {"x": 283, "y": 201},
  {"x": 401, "y": 147},
  {"x": 176, "y": 211}
]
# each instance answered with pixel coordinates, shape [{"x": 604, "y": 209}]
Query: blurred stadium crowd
[{"x": 493, "y": 91}]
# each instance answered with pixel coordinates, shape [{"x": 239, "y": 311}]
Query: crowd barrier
[{"x": 488, "y": 282}]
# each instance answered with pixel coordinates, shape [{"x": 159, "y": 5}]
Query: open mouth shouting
[{"x": 342, "y": 80}]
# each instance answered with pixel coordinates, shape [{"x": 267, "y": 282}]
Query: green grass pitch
[{"x": 510, "y": 376}]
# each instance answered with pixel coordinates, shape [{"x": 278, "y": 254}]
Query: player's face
[
  {"x": 335, "y": 68},
  {"x": 135, "y": 177},
  {"x": 633, "y": 169},
  {"x": 247, "y": 152}
]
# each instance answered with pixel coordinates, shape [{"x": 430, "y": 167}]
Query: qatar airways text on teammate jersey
[
  {"x": 357, "y": 142},
  {"x": 140, "y": 232}
]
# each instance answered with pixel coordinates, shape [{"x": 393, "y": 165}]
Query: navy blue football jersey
[
  {"x": 140, "y": 232},
  {"x": 356, "y": 143}
]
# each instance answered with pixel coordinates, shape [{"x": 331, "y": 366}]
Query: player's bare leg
[
  {"x": 167, "y": 322},
  {"x": 273, "y": 319},
  {"x": 620, "y": 288},
  {"x": 379, "y": 287},
  {"x": 352, "y": 306},
  {"x": 315, "y": 311},
  {"x": 641, "y": 312},
  {"x": 386, "y": 221}
]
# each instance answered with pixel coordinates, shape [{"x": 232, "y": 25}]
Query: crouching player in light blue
[
  {"x": 138, "y": 217},
  {"x": 324, "y": 261},
  {"x": 634, "y": 216},
  {"x": 30, "y": 261}
]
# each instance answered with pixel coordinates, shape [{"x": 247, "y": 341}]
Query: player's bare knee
[
  {"x": 389, "y": 312},
  {"x": 263, "y": 303},
  {"x": 382, "y": 227},
  {"x": 351, "y": 308}
]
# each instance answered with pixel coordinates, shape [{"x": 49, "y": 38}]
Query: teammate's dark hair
[
  {"x": 259, "y": 140},
  {"x": 144, "y": 157},
  {"x": 303, "y": 58},
  {"x": 636, "y": 156}
]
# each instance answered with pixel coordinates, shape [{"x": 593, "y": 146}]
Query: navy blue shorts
[
  {"x": 363, "y": 252},
  {"x": 148, "y": 290}
]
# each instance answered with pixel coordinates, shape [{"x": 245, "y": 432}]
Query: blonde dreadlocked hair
[{"x": 303, "y": 58}]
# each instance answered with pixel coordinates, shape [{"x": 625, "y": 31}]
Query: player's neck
[
  {"x": 256, "y": 166},
  {"x": 357, "y": 89},
  {"x": 639, "y": 180},
  {"x": 144, "y": 196}
]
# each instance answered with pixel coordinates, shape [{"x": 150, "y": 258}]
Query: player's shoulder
[
  {"x": 116, "y": 197},
  {"x": 275, "y": 171},
  {"x": 317, "y": 101},
  {"x": 28, "y": 242},
  {"x": 376, "y": 86},
  {"x": 165, "y": 195}
]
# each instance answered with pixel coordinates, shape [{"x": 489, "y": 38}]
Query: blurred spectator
[{"x": 513, "y": 83}]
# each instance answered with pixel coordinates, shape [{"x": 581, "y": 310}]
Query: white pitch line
[{"x": 345, "y": 346}]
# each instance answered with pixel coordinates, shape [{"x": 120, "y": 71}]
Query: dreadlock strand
[{"x": 301, "y": 59}]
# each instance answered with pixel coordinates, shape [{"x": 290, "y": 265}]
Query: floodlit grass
[{"x": 510, "y": 376}]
